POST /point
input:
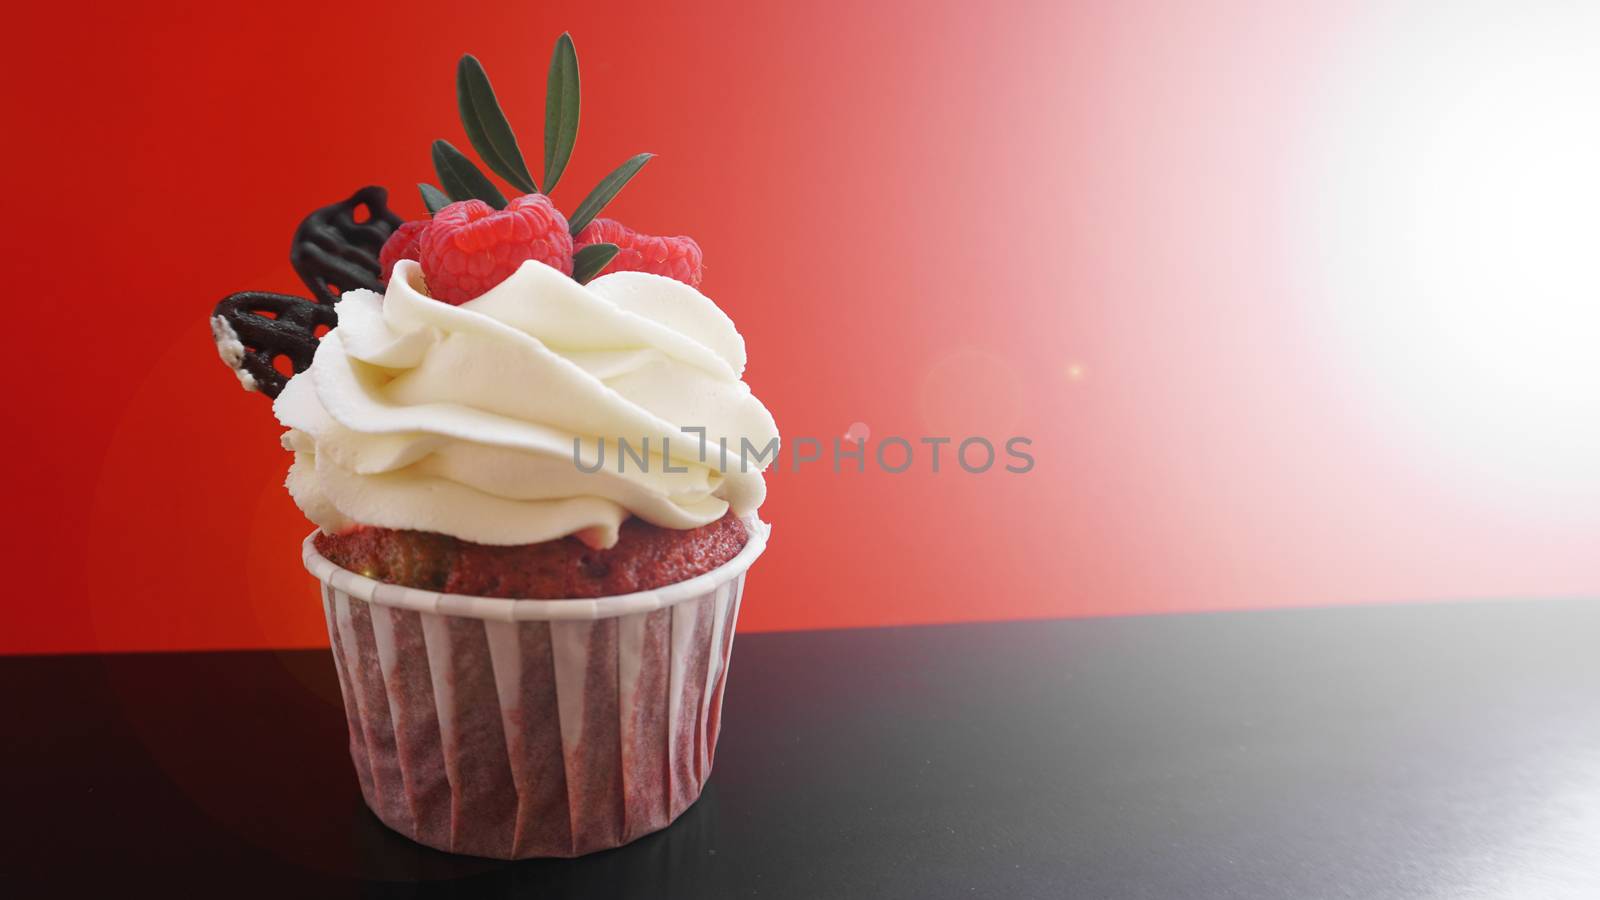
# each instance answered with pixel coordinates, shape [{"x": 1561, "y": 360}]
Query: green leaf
[
  {"x": 486, "y": 125},
  {"x": 433, "y": 198},
  {"x": 589, "y": 260},
  {"x": 560, "y": 111},
  {"x": 461, "y": 179},
  {"x": 604, "y": 191}
]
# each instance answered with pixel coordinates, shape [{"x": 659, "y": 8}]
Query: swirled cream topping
[{"x": 417, "y": 414}]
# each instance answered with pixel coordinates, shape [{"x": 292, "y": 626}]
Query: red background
[{"x": 923, "y": 216}]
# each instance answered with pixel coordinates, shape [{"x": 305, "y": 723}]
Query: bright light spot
[
  {"x": 1076, "y": 372},
  {"x": 1456, "y": 203}
]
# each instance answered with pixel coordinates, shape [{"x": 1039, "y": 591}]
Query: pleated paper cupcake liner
[{"x": 521, "y": 728}]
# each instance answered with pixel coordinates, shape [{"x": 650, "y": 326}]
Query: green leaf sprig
[
  {"x": 487, "y": 128},
  {"x": 590, "y": 259},
  {"x": 605, "y": 190},
  {"x": 433, "y": 198},
  {"x": 491, "y": 136},
  {"x": 560, "y": 110},
  {"x": 461, "y": 179}
]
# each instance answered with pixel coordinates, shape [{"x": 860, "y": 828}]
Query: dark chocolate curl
[
  {"x": 333, "y": 252},
  {"x": 272, "y": 326}
]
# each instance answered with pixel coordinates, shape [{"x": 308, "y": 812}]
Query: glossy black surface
[{"x": 1399, "y": 752}]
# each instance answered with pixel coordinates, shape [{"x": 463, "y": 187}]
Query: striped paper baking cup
[{"x": 521, "y": 728}]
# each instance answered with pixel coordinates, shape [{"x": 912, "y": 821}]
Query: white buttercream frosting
[{"x": 417, "y": 414}]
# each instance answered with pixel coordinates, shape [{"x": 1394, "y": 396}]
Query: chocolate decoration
[
  {"x": 333, "y": 253},
  {"x": 269, "y": 326}
]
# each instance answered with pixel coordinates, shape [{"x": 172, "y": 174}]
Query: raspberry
[
  {"x": 674, "y": 257},
  {"x": 471, "y": 247},
  {"x": 401, "y": 245}
]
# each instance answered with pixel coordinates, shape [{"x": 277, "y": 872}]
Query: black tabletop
[{"x": 1448, "y": 750}]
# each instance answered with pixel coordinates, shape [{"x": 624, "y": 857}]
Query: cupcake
[{"x": 527, "y": 450}]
